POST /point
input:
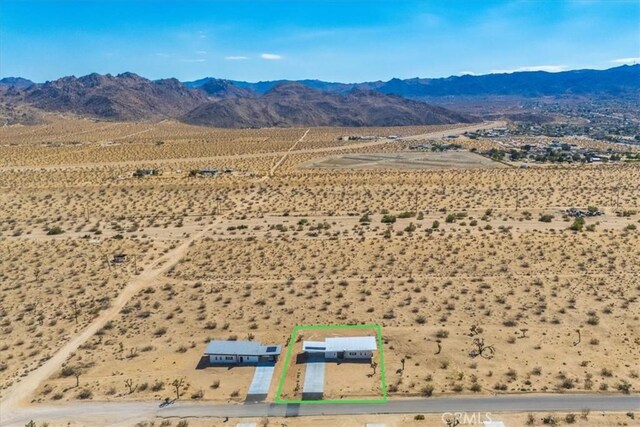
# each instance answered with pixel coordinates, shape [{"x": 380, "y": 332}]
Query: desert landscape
[
  {"x": 479, "y": 282},
  {"x": 325, "y": 214}
]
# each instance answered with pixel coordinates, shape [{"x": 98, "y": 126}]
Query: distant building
[
  {"x": 146, "y": 172},
  {"x": 341, "y": 348},
  {"x": 119, "y": 258},
  {"x": 208, "y": 172},
  {"x": 239, "y": 352}
]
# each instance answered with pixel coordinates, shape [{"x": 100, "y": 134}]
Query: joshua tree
[
  {"x": 486, "y": 351},
  {"x": 76, "y": 373},
  {"x": 374, "y": 365},
  {"x": 129, "y": 384},
  {"x": 178, "y": 384}
]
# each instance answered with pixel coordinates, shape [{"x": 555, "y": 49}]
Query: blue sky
[{"x": 345, "y": 41}]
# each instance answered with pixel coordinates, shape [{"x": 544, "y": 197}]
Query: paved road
[{"x": 110, "y": 413}]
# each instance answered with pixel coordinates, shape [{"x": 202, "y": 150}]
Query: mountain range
[
  {"x": 226, "y": 103},
  {"x": 618, "y": 81}
]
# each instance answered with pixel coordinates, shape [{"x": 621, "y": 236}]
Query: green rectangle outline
[{"x": 294, "y": 333}]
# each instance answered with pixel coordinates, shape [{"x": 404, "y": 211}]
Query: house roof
[
  {"x": 341, "y": 344},
  {"x": 351, "y": 343},
  {"x": 242, "y": 347}
]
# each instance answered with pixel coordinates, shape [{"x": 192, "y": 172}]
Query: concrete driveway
[
  {"x": 261, "y": 382},
  {"x": 313, "y": 379}
]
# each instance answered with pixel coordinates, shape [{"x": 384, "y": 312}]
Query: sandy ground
[
  {"x": 466, "y": 262},
  {"x": 422, "y": 160}
]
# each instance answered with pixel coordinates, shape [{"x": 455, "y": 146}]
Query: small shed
[
  {"x": 342, "y": 348},
  {"x": 239, "y": 352}
]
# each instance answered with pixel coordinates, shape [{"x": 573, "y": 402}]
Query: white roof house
[
  {"x": 220, "y": 351},
  {"x": 342, "y": 347}
]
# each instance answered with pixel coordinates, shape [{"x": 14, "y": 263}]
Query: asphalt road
[{"x": 113, "y": 413}]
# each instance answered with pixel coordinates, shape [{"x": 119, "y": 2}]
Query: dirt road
[{"x": 284, "y": 156}]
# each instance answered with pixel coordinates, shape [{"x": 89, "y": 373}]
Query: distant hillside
[
  {"x": 294, "y": 104},
  {"x": 126, "y": 96},
  {"x": 15, "y": 82},
  {"x": 619, "y": 81},
  {"x": 226, "y": 103}
]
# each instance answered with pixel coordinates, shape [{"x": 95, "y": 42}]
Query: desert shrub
[
  {"x": 54, "y": 231},
  {"x": 388, "y": 219},
  {"x": 546, "y": 218},
  {"x": 85, "y": 394},
  {"x": 406, "y": 214},
  {"x": 441, "y": 333},
  {"x": 578, "y": 224}
]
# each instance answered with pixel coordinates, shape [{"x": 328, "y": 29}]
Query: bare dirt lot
[
  {"x": 425, "y": 160},
  {"x": 474, "y": 273}
]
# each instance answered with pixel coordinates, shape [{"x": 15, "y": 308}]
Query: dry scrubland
[
  {"x": 52, "y": 288},
  {"x": 290, "y": 248}
]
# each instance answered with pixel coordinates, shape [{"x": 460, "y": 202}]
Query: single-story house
[
  {"x": 341, "y": 348},
  {"x": 237, "y": 352}
]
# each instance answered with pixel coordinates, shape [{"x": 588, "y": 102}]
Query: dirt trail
[
  {"x": 477, "y": 126},
  {"x": 284, "y": 156},
  {"x": 18, "y": 394}
]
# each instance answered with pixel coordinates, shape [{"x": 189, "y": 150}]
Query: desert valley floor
[{"x": 446, "y": 251}]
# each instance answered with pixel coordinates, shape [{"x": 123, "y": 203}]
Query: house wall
[
  {"x": 225, "y": 359},
  {"x": 358, "y": 354},
  {"x": 218, "y": 359}
]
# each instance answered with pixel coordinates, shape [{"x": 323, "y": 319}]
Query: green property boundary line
[{"x": 294, "y": 333}]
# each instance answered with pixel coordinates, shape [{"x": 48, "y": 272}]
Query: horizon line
[{"x": 462, "y": 74}]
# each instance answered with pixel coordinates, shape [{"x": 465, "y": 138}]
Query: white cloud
[
  {"x": 635, "y": 60},
  {"x": 192, "y": 60},
  {"x": 548, "y": 68},
  {"x": 201, "y": 52},
  {"x": 235, "y": 58},
  {"x": 270, "y": 56},
  {"x": 163, "y": 55}
]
